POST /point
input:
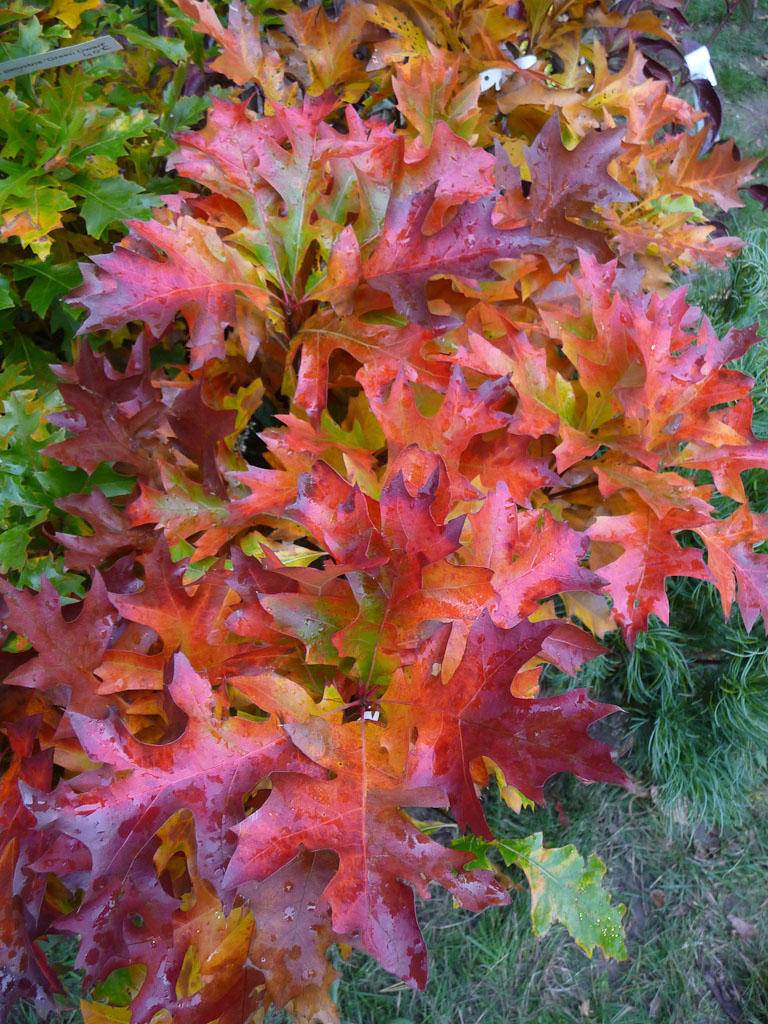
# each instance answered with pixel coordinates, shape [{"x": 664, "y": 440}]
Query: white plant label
[
  {"x": 700, "y": 64},
  {"x": 492, "y": 78},
  {"x": 56, "y": 58}
]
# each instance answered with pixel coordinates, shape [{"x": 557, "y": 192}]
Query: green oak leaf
[
  {"x": 110, "y": 200},
  {"x": 566, "y": 888},
  {"x": 49, "y": 281},
  {"x": 6, "y": 296}
]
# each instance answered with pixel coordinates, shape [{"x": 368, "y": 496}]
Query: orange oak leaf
[
  {"x": 636, "y": 578},
  {"x": 740, "y": 573}
]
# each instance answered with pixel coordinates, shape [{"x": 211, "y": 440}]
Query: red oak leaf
[
  {"x": 727, "y": 463},
  {"x": 24, "y": 970},
  {"x": 199, "y": 276},
  {"x": 68, "y": 648},
  {"x": 243, "y": 57},
  {"x": 199, "y": 428},
  {"x": 463, "y": 415},
  {"x": 28, "y": 764},
  {"x": 114, "y": 417},
  {"x": 112, "y": 531},
  {"x": 532, "y": 556},
  {"x": 636, "y": 578},
  {"x": 187, "y": 619},
  {"x": 406, "y": 257},
  {"x": 385, "y": 348},
  {"x": 473, "y": 715},
  {"x": 210, "y": 769},
  {"x": 567, "y": 184},
  {"x": 356, "y": 815},
  {"x": 292, "y": 932},
  {"x": 338, "y": 516}
]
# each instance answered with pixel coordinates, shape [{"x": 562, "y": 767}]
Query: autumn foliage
[{"x": 485, "y": 418}]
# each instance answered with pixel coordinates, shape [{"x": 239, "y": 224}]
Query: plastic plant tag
[
  {"x": 493, "y": 77},
  {"x": 700, "y": 64},
  {"x": 56, "y": 58}
]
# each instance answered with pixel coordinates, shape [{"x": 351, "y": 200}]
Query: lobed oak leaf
[
  {"x": 27, "y": 764},
  {"x": 357, "y": 816},
  {"x": 211, "y": 973},
  {"x": 126, "y": 920},
  {"x": 183, "y": 508},
  {"x": 408, "y": 523},
  {"x": 715, "y": 178},
  {"x": 315, "y": 619},
  {"x": 367, "y": 636},
  {"x": 116, "y": 418},
  {"x": 567, "y": 184},
  {"x": 124, "y": 669},
  {"x": 428, "y": 88},
  {"x": 648, "y": 378},
  {"x": 199, "y": 428},
  {"x": 463, "y": 415},
  {"x": 183, "y": 267},
  {"x": 295, "y": 179},
  {"x": 460, "y": 173},
  {"x": 509, "y": 458},
  {"x": 254, "y": 582},
  {"x": 661, "y": 492},
  {"x": 338, "y": 516},
  {"x": 405, "y": 259},
  {"x": 271, "y": 490},
  {"x": 330, "y": 48},
  {"x": 209, "y": 770},
  {"x": 739, "y": 572},
  {"x": 385, "y": 348},
  {"x": 24, "y": 971},
  {"x": 68, "y": 649},
  {"x": 448, "y": 593},
  {"x": 532, "y": 556},
  {"x": 349, "y": 447},
  {"x": 243, "y": 58},
  {"x": 726, "y": 463},
  {"x": 189, "y": 620},
  {"x": 565, "y": 887},
  {"x": 543, "y": 395},
  {"x": 164, "y": 924},
  {"x": 292, "y": 935},
  {"x": 636, "y": 578},
  {"x": 474, "y": 714},
  {"x": 113, "y": 531}
]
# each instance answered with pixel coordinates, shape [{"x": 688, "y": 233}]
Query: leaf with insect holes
[
  {"x": 209, "y": 769},
  {"x": 356, "y": 814},
  {"x": 564, "y": 887}
]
